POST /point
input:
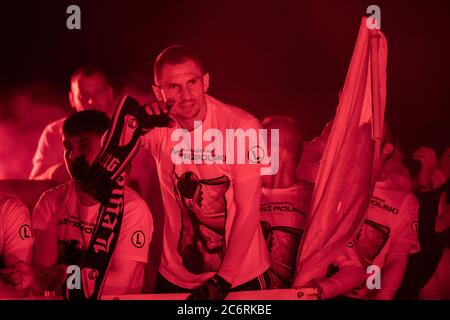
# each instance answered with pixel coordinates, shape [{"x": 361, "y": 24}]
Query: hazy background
[{"x": 269, "y": 57}]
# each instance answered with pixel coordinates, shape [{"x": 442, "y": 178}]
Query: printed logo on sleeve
[
  {"x": 25, "y": 232},
  {"x": 256, "y": 154},
  {"x": 138, "y": 239}
]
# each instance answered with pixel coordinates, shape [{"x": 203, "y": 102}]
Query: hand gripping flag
[{"x": 346, "y": 175}]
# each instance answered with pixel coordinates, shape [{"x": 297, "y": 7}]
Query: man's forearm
[
  {"x": 243, "y": 229},
  {"x": 117, "y": 283},
  {"x": 120, "y": 275}
]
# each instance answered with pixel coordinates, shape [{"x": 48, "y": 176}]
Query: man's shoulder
[
  {"x": 8, "y": 197},
  {"x": 9, "y": 202},
  {"x": 59, "y": 193},
  {"x": 390, "y": 189},
  {"x": 133, "y": 201},
  {"x": 53, "y": 129},
  {"x": 231, "y": 113},
  {"x": 396, "y": 199},
  {"x": 55, "y": 126}
]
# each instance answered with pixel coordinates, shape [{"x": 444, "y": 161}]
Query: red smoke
[{"x": 24, "y": 112}]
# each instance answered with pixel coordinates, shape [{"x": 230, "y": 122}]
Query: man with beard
[{"x": 65, "y": 217}]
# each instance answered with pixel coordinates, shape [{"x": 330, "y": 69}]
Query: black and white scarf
[{"x": 104, "y": 181}]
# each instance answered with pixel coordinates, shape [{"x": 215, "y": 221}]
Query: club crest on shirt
[
  {"x": 138, "y": 239},
  {"x": 25, "y": 232}
]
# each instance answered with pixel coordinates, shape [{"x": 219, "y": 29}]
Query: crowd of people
[{"x": 226, "y": 227}]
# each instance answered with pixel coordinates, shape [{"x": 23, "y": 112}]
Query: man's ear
[
  {"x": 205, "y": 82},
  {"x": 158, "y": 93},
  {"x": 71, "y": 99},
  {"x": 388, "y": 149}
]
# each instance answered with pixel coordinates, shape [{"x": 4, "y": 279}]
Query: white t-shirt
[
  {"x": 200, "y": 206},
  {"x": 16, "y": 238},
  {"x": 392, "y": 217},
  {"x": 59, "y": 210},
  {"x": 283, "y": 215},
  {"x": 49, "y": 151}
]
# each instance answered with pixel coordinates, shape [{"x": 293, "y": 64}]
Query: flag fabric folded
[{"x": 346, "y": 175}]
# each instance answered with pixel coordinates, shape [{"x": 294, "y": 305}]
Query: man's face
[
  {"x": 80, "y": 152},
  {"x": 92, "y": 92},
  {"x": 184, "y": 84}
]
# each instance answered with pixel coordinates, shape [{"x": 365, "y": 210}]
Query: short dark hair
[
  {"x": 86, "y": 121},
  {"x": 87, "y": 71},
  {"x": 290, "y": 133},
  {"x": 176, "y": 54}
]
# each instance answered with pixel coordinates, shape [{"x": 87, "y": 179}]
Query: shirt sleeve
[
  {"x": 406, "y": 235},
  {"x": 18, "y": 239},
  {"x": 136, "y": 232},
  {"x": 47, "y": 152},
  {"x": 255, "y": 154},
  {"x": 42, "y": 218}
]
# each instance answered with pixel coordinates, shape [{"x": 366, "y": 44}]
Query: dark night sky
[{"x": 268, "y": 57}]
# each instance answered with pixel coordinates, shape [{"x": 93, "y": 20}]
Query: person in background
[
  {"x": 89, "y": 89},
  {"x": 386, "y": 239},
  {"x": 284, "y": 201},
  {"x": 427, "y": 273}
]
